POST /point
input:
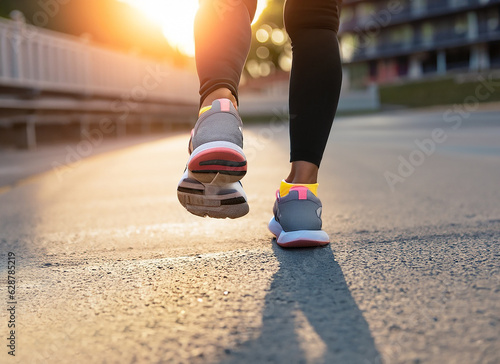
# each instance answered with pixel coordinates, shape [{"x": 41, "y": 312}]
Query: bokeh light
[
  {"x": 265, "y": 69},
  {"x": 262, "y": 52},
  {"x": 278, "y": 36},
  {"x": 253, "y": 68},
  {"x": 285, "y": 62},
  {"x": 262, "y": 35}
]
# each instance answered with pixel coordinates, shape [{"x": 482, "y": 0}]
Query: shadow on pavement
[{"x": 309, "y": 315}]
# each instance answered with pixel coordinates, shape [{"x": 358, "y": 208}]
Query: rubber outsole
[
  {"x": 298, "y": 238},
  {"x": 199, "y": 200}
]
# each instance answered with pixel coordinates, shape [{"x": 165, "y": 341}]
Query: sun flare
[{"x": 176, "y": 19}]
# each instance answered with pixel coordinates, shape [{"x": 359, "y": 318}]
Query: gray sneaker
[
  {"x": 216, "y": 145},
  {"x": 210, "y": 184},
  {"x": 297, "y": 219}
]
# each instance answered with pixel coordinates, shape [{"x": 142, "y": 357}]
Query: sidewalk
[{"x": 19, "y": 164}]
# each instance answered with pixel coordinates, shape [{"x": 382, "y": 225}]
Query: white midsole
[
  {"x": 218, "y": 144},
  {"x": 284, "y": 237}
]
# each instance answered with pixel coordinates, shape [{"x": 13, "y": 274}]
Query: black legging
[{"x": 223, "y": 35}]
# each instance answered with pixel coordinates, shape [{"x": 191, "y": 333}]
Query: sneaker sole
[
  {"x": 298, "y": 238},
  {"x": 223, "y": 160},
  {"x": 198, "y": 201}
]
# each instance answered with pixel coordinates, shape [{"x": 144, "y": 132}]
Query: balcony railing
[
  {"x": 382, "y": 17},
  {"x": 444, "y": 39}
]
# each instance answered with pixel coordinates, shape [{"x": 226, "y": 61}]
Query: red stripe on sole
[
  {"x": 222, "y": 154},
  {"x": 212, "y": 167}
]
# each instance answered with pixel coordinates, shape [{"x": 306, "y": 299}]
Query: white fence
[
  {"x": 52, "y": 78},
  {"x": 35, "y": 58}
]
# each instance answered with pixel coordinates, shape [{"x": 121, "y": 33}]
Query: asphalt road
[{"x": 111, "y": 269}]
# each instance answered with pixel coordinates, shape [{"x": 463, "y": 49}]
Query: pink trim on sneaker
[
  {"x": 301, "y": 190},
  {"x": 225, "y": 105},
  {"x": 216, "y": 157}
]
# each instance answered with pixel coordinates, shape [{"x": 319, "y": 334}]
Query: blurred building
[{"x": 388, "y": 40}]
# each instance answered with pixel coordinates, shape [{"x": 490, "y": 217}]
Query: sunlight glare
[{"x": 176, "y": 19}]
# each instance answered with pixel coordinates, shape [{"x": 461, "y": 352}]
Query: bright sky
[{"x": 176, "y": 19}]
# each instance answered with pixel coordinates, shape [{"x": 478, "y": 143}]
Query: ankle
[
  {"x": 220, "y": 93},
  {"x": 303, "y": 172},
  {"x": 302, "y": 180}
]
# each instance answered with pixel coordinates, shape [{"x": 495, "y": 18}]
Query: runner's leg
[
  {"x": 222, "y": 38},
  {"x": 315, "y": 82}
]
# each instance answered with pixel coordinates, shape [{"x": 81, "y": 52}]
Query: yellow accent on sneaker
[
  {"x": 203, "y": 109},
  {"x": 285, "y": 187}
]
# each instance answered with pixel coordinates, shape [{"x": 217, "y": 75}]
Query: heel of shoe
[
  {"x": 217, "y": 162},
  {"x": 303, "y": 238}
]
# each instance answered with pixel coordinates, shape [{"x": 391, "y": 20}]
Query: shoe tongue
[{"x": 285, "y": 187}]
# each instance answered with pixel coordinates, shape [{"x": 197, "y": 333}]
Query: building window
[
  {"x": 437, "y": 5},
  {"x": 461, "y": 24},
  {"x": 406, "y": 8},
  {"x": 493, "y": 19},
  {"x": 427, "y": 33},
  {"x": 364, "y": 12},
  {"x": 418, "y": 7},
  {"x": 458, "y": 3},
  {"x": 402, "y": 36}
]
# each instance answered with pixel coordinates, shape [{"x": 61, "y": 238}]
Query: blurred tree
[
  {"x": 270, "y": 50},
  {"x": 108, "y": 22}
]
